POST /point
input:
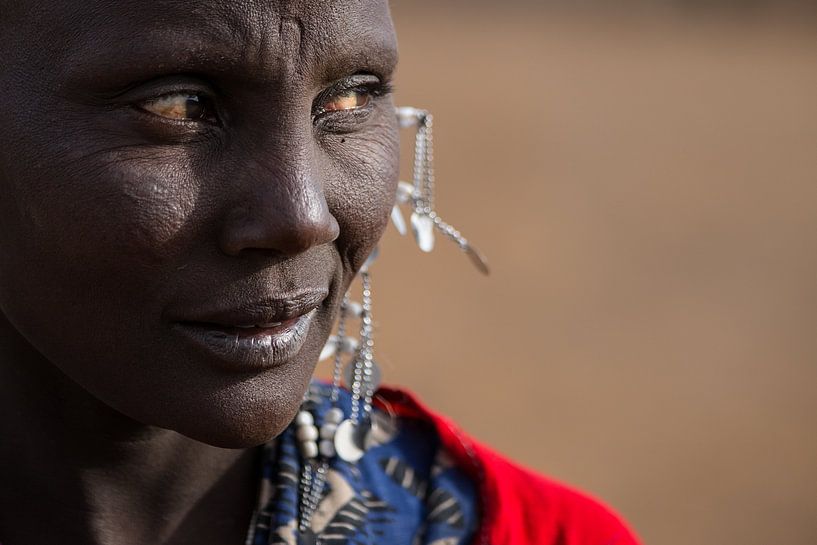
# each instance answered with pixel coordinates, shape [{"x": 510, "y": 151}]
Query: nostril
[{"x": 290, "y": 227}]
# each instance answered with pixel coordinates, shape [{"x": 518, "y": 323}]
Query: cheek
[
  {"x": 158, "y": 204},
  {"x": 115, "y": 215},
  {"x": 90, "y": 241},
  {"x": 361, "y": 191}
]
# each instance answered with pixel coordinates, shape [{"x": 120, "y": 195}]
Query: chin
[
  {"x": 233, "y": 413},
  {"x": 232, "y": 435},
  {"x": 240, "y": 423}
]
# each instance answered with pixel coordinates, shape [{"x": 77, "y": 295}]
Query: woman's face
[{"x": 186, "y": 191}]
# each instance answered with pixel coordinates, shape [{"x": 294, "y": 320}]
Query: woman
[{"x": 188, "y": 190}]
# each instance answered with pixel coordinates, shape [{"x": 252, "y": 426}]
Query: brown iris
[
  {"x": 347, "y": 100},
  {"x": 179, "y": 107}
]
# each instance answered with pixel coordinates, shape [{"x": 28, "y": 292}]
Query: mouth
[
  {"x": 251, "y": 331},
  {"x": 255, "y": 336}
]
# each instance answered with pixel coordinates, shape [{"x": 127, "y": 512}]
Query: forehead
[
  {"x": 286, "y": 33},
  {"x": 216, "y": 14}
]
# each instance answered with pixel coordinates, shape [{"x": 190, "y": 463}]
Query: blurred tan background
[{"x": 644, "y": 181}]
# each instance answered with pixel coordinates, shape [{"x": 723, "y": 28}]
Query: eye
[
  {"x": 354, "y": 95},
  {"x": 350, "y": 99},
  {"x": 183, "y": 106}
]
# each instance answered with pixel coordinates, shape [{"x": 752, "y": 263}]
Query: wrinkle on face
[
  {"x": 276, "y": 39},
  {"x": 123, "y": 216}
]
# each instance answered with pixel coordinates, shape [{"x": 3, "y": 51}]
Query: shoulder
[
  {"x": 530, "y": 508},
  {"x": 519, "y": 506}
]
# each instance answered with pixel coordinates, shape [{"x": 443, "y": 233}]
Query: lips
[
  {"x": 254, "y": 335},
  {"x": 263, "y": 313},
  {"x": 270, "y": 325},
  {"x": 254, "y": 330}
]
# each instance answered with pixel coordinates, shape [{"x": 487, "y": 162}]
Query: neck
[{"x": 72, "y": 466}]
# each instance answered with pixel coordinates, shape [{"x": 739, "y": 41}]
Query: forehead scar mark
[{"x": 291, "y": 32}]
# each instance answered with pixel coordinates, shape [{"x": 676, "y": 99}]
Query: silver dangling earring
[
  {"x": 420, "y": 193},
  {"x": 348, "y": 439},
  {"x": 353, "y": 359},
  {"x": 345, "y": 438}
]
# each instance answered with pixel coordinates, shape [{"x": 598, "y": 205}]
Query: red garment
[{"x": 519, "y": 507}]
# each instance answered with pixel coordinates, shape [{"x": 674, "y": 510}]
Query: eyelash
[{"x": 375, "y": 88}]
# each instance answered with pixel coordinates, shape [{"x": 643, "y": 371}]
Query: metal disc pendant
[
  {"x": 375, "y": 379},
  {"x": 398, "y": 220},
  {"x": 329, "y": 349},
  {"x": 422, "y": 227},
  {"x": 479, "y": 260},
  {"x": 346, "y": 442},
  {"x": 346, "y": 345},
  {"x": 408, "y": 117},
  {"x": 405, "y": 192},
  {"x": 353, "y": 308}
]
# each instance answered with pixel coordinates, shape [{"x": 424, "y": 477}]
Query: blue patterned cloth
[{"x": 404, "y": 491}]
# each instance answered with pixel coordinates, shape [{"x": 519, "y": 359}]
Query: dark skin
[{"x": 160, "y": 159}]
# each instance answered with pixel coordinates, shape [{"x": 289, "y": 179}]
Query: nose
[{"x": 282, "y": 210}]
